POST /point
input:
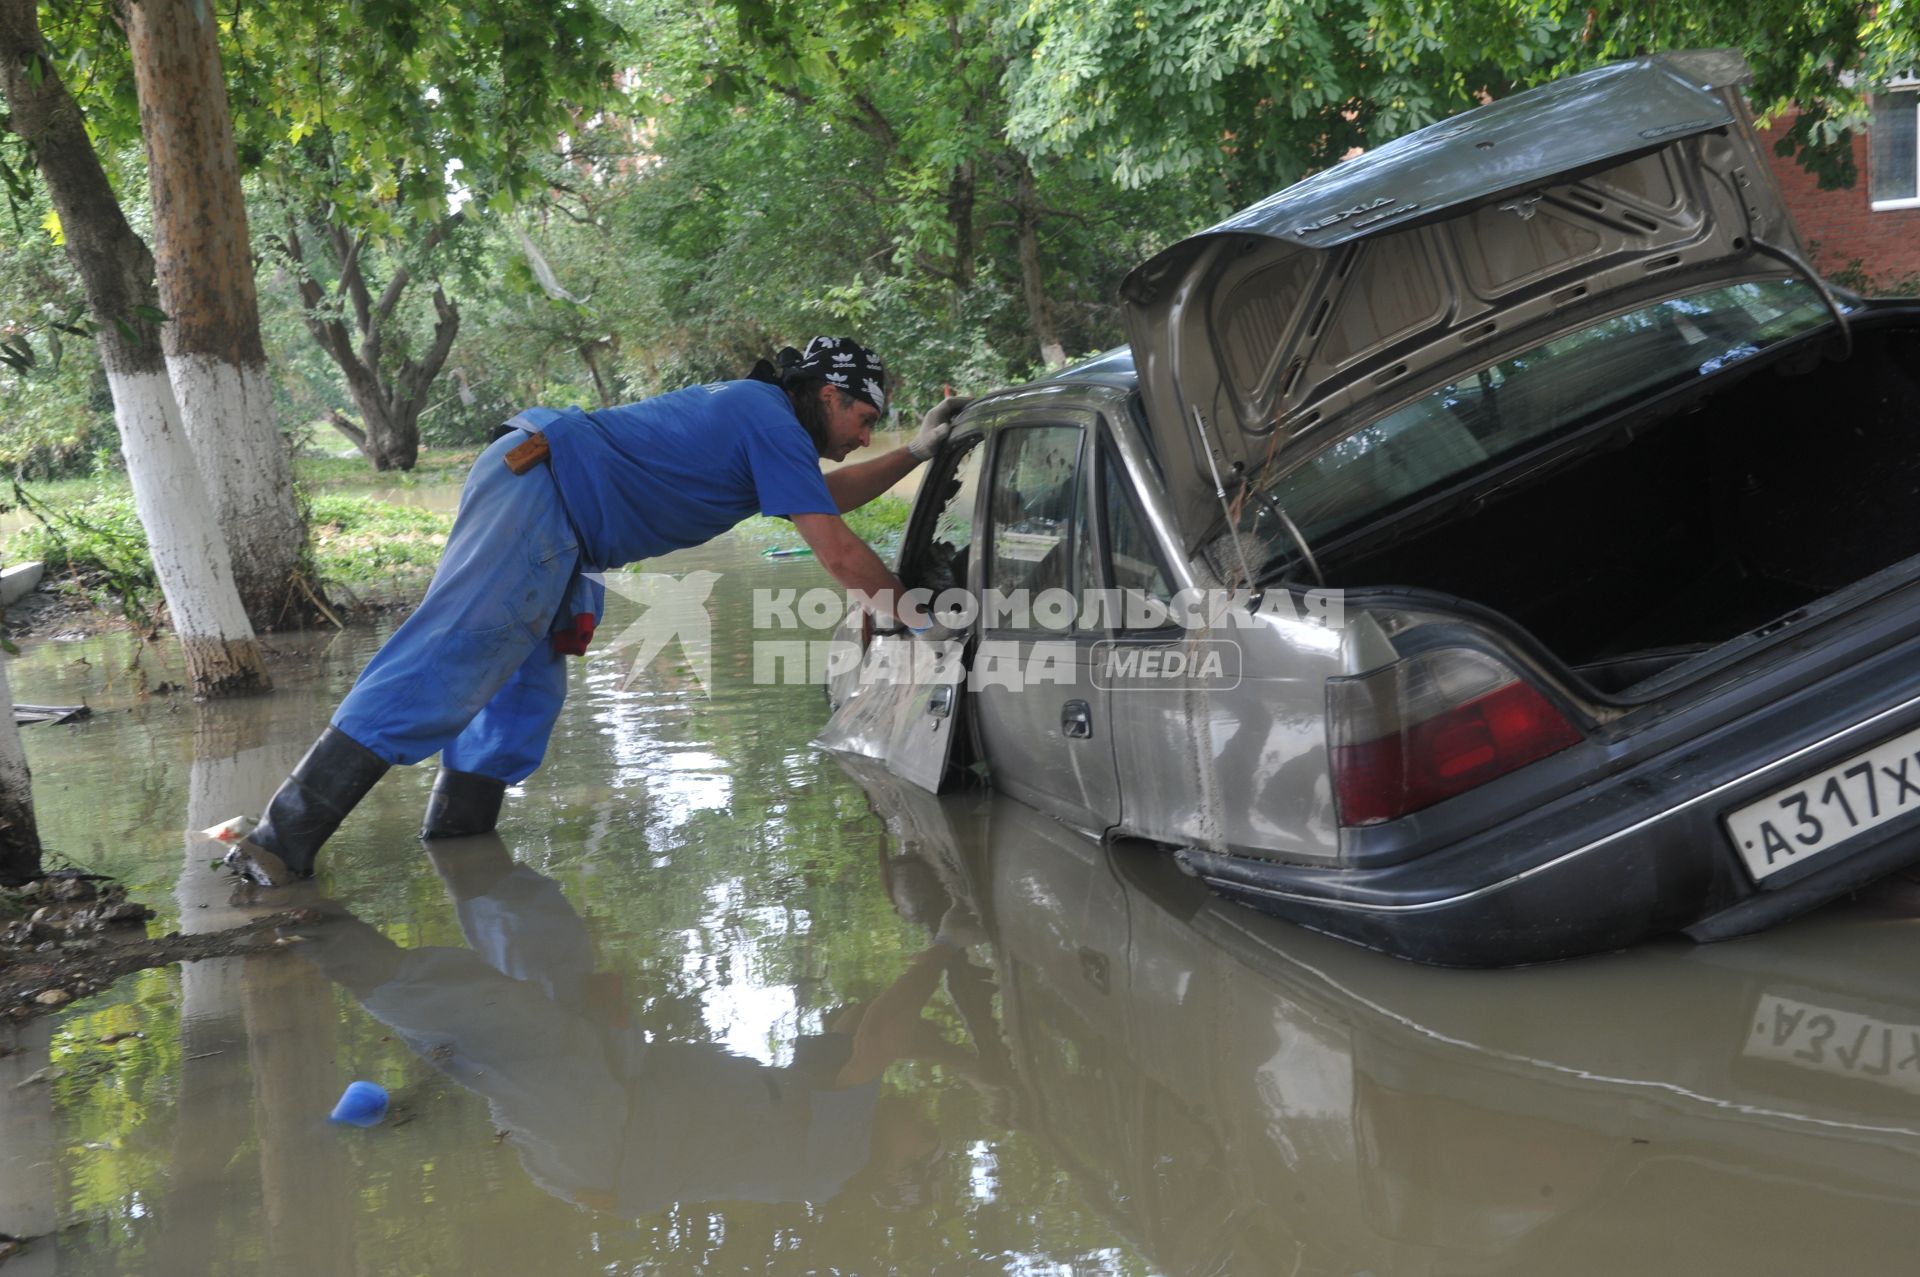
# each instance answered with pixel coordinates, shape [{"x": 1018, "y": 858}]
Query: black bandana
[{"x": 842, "y": 362}]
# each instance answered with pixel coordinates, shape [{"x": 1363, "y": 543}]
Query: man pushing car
[{"x": 477, "y": 674}]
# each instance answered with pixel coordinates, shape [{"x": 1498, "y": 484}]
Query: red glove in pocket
[{"x": 573, "y": 640}]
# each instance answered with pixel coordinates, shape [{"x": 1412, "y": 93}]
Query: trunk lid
[{"x": 1453, "y": 247}]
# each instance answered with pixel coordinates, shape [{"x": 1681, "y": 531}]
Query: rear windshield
[{"x": 1520, "y": 402}]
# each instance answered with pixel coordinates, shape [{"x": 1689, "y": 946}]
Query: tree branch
[
  {"x": 1045, "y": 210},
  {"x": 398, "y": 284},
  {"x": 331, "y": 334},
  {"x": 872, "y": 122},
  {"x": 933, "y": 268},
  {"x": 350, "y": 264},
  {"x": 347, "y": 428},
  {"x": 417, "y": 378},
  {"x": 353, "y": 281}
]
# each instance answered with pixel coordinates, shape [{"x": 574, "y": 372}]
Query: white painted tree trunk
[
  {"x": 189, "y": 552},
  {"x": 203, "y": 267},
  {"x": 229, "y": 416},
  {"x": 114, "y": 264},
  {"x": 31, "y": 1182},
  {"x": 210, "y": 1157},
  {"x": 19, "y": 834}
]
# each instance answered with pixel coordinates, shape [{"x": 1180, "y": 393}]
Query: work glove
[
  {"x": 573, "y": 640},
  {"x": 935, "y": 426}
]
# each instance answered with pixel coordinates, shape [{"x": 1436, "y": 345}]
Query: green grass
[
  {"x": 358, "y": 541},
  {"x": 314, "y": 474},
  {"x": 878, "y": 522},
  {"x": 91, "y": 537},
  {"x": 89, "y": 533},
  {"x": 436, "y": 466},
  {"x": 63, "y": 492},
  {"x": 97, "y": 543}
]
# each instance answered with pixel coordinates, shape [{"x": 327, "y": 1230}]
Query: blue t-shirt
[{"x": 676, "y": 470}]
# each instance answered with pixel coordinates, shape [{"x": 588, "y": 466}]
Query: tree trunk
[
  {"x": 33, "y": 1145},
  {"x": 1033, "y": 283},
  {"x": 591, "y": 360},
  {"x": 961, "y": 191},
  {"x": 963, "y": 187},
  {"x": 307, "y": 1185},
  {"x": 388, "y": 432},
  {"x": 215, "y": 358},
  {"x": 189, "y": 554},
  {"x": 19, "y": 835}
]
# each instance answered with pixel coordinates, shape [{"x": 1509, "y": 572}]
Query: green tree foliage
[
  {"x": 654, "y": 195},
  {"x": 1241, "y": 97},
  {"x": 370, "y": 125},
  {"x": 822, "y": 167},
  {"x": 379, "y": 110},
  {"x": 1250, "y": 97},
  {"x": 56, "y": 417}
]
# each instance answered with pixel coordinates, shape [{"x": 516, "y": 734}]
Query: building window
[{"x": 1893, "y": 178}]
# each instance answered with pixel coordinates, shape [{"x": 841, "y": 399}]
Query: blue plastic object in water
[{"x": 361, "y": 1104}]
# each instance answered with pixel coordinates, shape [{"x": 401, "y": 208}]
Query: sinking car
[
  {"x": 1532, "y": 535},
  {"x": 1242, "y": 1097}
]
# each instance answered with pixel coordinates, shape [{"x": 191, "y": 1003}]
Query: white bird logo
[{"x": 676, "y": 608}]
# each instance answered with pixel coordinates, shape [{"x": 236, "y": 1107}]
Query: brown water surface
[{"x": 687, "y": 1014}]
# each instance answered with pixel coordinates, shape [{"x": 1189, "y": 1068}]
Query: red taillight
[{"x": 1432, "y": 726}]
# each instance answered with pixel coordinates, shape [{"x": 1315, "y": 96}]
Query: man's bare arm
[
  {"x": 855, "y": 485},
  {"x": 852, "y": 563}
]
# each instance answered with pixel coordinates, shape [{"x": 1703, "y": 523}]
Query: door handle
[
  {"x": 940, "y": 702},
  {"x": 1076, "y": 720}
]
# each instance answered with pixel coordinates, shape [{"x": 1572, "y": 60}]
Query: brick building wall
[{"x": 1848, "y": 236}]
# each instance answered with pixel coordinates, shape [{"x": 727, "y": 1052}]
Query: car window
[
  {"x": 1133, "y": 556},
  {"x": 1035, "y": 470},
  {"x": 1522, "y": 401},
  {"x": 941, "y": 563}
]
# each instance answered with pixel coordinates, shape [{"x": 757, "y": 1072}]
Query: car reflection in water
[
  {"x": 1243, "y": 1096},
  {"x": 607, "y": 1114},
  {"x": 1234, "y": 1094}
]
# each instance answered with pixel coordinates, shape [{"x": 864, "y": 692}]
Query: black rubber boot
[
  {"x": 309, "y": 805},
  {"x": 463, "y": 804},
  {"x": 470, "y": 867}
]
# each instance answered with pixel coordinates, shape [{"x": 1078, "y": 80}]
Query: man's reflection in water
[
  {"x": 931, "y": 893},
  {"x": 605, "y": 1115}
]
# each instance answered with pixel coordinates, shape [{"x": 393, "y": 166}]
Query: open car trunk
[{"x": 1672, "y": 529}]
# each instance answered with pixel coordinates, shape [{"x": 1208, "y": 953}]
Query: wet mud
[{"x": 72, "y": 936}]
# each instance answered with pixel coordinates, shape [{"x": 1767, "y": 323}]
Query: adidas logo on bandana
[{"x": 842, "y": 361}]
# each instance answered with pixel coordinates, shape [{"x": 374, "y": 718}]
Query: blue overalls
[{"x": 473, "y": 673}]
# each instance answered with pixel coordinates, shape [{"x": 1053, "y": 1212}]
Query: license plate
[
  {"x": 1829, "y": 1040},
  {"x": 1791, "y": 826}
]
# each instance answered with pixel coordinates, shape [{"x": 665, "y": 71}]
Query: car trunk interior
[{"x": 1672, "y": 535}]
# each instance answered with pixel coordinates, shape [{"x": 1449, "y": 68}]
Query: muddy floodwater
[{"x": 713, "y": 1003}]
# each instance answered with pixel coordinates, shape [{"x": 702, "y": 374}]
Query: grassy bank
[
  {"x": 363, "y": 543},
  {"x": 90, "y": 538},
  {"x": 352, "y": 473},
  {"x": 311, "y": 473},
  {"x": 86, "y": 531},
  {"x": 879, "y": 523},
  {"x": 94, "y": 543}
]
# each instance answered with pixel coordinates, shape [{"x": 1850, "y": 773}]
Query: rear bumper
[{"x": 1636, "y": 852}]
